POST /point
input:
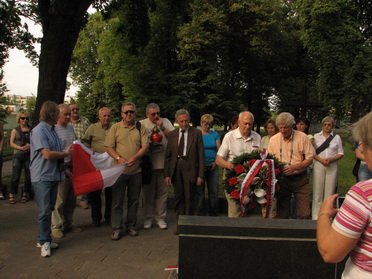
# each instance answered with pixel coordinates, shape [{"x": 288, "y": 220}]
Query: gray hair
[
  {"x": 180, "y": 112},
  {"x": 128, "y": 104},
  {"x": 152, "y": 106},
  {"x": 244, "y": 112},
  {"x": 63, "y": 106},
  {"x": 362, "y": 130},
  {"x": 103, "y": 108},
  {"x": 328, "y": 119},
  {"x": 285, "y": 118}
]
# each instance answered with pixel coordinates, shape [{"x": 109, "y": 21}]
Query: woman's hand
[{"x": 328, "y": 206}]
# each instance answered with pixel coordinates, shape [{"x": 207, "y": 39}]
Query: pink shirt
[
  {"x": 302, "y": 148},
  {"x": 354, "y": 220}
]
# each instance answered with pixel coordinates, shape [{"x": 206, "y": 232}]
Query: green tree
[{"x": 337, "y": 35}]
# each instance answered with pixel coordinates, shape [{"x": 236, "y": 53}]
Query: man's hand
[
  {"x": 130, "y": 162},
  {"x": 168, "y": 181},
  {"x": 289, "y": 170},
  {"x": 68, "y": 173},
  {"x": 159, "y": 123},
  {"x": 199, "y": 181}
]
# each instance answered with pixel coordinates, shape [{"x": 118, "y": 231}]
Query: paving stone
[{"x": 87, "y": 255}]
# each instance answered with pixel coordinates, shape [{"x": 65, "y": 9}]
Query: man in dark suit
[{"x": 184, "y": 163}]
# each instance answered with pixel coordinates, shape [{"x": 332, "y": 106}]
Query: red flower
[
  {"x": 239, "y": 169},
  {"x": 251, "y": 162},
  {"x": 233, "y": 181},
  {"x": 277, "y": 171},
  {"x": 235, "y": 194}
]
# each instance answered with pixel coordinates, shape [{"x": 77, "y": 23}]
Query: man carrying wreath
[
  {"x": 293, "y": 148},
  {"x": 235, "y": 143}
]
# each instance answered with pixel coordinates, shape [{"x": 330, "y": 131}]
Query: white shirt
[
  {"x": 234, "y": 144},
  {"x": 335, "y": 146},
  {"x": 157, "y": 153}
]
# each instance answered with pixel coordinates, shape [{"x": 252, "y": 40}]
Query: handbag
[{"x": 146, "y": 169}]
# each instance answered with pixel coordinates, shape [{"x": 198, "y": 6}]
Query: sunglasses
[
  {"x": 24, "y": 118},
  {"x": 155, "y": 113},
  {"x": 128, "y": 111}
]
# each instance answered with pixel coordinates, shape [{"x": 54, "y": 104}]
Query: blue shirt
[
  {"x": 210, "y": 147},
  {"x": 41, "y": 169}
]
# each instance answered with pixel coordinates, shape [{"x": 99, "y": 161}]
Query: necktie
[{"x": 181, "y": 145}]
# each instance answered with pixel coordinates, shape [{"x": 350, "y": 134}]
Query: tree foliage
[
  {"x": 221, "y": 57},
  {"x": 337, "y": 34}
]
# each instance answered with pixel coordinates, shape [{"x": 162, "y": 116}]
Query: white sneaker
[
  {"x": 148, "y": 224},
  {"x": 162, "y": 225},
  {"x": 53, "y": 245},
  {"x": 45, "y": 250}
]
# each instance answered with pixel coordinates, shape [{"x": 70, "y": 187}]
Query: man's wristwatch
[{"x": 117, "y": 158}]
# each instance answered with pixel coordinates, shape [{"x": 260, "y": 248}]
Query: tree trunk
[{"x": 61, "y": 24}]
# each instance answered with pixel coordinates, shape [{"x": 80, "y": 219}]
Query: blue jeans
[
  {"x": 132, "y": 185},
  {"x": 364, "y": 173},
  {"x": 211, "y": 179},
  {"x": 45, "y": 196},
  {"x": 20, "y": 161}
]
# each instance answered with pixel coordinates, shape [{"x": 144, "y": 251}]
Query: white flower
[{"x": 259, "y": 192}]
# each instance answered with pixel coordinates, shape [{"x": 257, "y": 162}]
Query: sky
[{"x": 20, "y": 75}]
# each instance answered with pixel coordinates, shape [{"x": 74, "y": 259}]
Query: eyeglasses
[
  {"x": 24, "y": 118},
  {"x": 128, "y": 111},
  {"x": 75, "y": 109},
  {"x": 155, "y": 113}
]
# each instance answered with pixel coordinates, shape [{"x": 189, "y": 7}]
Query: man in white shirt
[
  {"x": 235, "y": 143},
  {"x": 156, "y": 192}
]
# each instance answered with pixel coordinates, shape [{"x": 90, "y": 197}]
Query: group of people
[{"x": 187, "y": 159}]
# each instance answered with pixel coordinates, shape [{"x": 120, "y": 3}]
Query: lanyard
[{"x": 281, "y": 148}]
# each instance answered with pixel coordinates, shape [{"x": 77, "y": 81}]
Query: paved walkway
[{"x": 89, "y": 254}]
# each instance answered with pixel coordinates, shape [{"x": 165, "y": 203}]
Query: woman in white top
[
  {"x": 329, "y": 149},
  {"x": 270, "y": 129}
]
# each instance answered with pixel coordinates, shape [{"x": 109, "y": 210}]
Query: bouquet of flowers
[{"x": 254, "y": 180}]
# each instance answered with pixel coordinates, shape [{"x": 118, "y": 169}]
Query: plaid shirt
[{"x": 80, "y": 127}]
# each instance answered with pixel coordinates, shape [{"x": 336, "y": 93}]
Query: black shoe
[{"x": 131, "y": 231}]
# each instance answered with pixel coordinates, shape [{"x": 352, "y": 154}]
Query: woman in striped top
[{"x": 351, "y": 230}]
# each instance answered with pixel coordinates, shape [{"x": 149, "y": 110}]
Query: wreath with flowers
[{"x": 254, "y": 180}]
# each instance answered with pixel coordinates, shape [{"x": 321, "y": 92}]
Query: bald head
[
  {"x": 104, "y": 116},
  {"x": 245, "y": 123}
]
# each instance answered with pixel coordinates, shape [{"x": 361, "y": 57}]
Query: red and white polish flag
[{"x": 92, "y": 171}]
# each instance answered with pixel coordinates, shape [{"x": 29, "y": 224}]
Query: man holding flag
[
  {"x": 126, "y": 145},
  {"x": 66, "y": 200},
  {"x": 94, "y": 139}
]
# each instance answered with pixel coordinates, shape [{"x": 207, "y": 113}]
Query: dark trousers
[
  {"x": 297, "y": 184},
  {"x": 184, "y": 190},
  {"x": 96, "y": 204},
  {"x": 20, "y": 161}
]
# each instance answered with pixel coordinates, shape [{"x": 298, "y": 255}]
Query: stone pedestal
[{"x": 220, "y": 247}]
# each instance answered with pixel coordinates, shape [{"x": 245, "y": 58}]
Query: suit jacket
[{"x": 194, "y": 154}]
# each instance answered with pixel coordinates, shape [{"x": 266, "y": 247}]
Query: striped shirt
[{"x": 354, "y": 220}]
